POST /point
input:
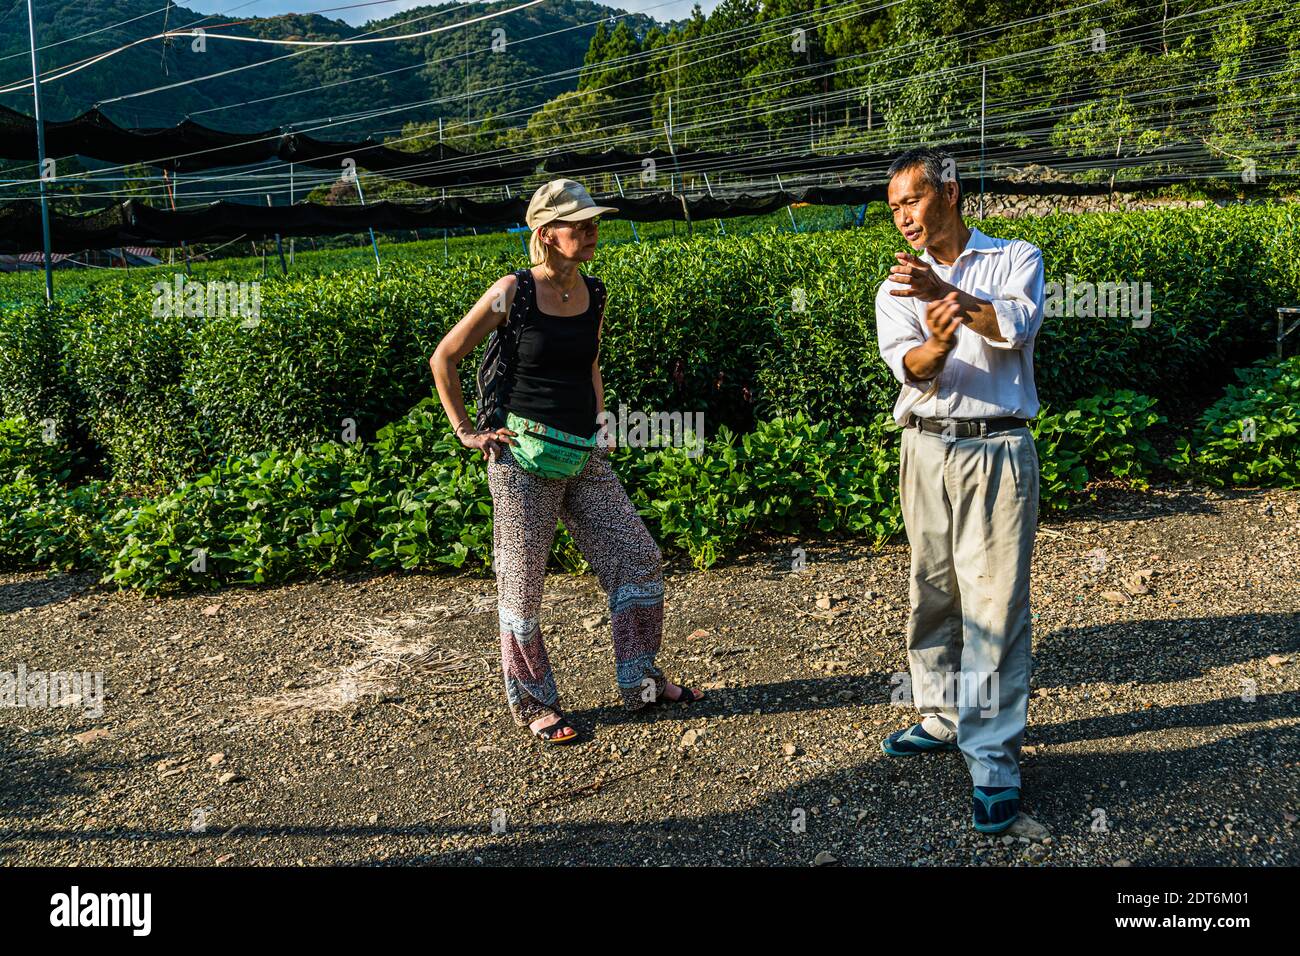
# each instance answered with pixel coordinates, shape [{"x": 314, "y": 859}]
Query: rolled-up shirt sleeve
[
  {"x": 1019, "y": 302},
  {"x": 898, "y": 331}
]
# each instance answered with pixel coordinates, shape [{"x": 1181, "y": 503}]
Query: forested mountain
[
  {"x": 1084, "y": 76},
  {"x": 452, "y": 73},
  {"x": 1213, "y": 83}
]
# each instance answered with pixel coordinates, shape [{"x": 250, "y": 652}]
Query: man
[{"x": 956, "y": 325}]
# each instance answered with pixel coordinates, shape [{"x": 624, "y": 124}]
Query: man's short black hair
[{"x": 936, "y": 165}]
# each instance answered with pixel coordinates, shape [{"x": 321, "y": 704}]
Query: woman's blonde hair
[{"x": 537, "y": 248}]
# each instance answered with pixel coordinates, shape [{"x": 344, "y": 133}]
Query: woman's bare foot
[
  {"x": 542, "y": 727},
  {"x": 674, "y": 693}
]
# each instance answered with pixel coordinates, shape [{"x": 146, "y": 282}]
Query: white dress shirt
[{"x": 981, "y": 378}]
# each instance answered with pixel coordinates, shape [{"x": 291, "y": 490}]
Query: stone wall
[{"x": 1013, "y": 206}]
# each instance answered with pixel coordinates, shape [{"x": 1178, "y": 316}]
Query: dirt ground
[{"x": 362, "y": 721}]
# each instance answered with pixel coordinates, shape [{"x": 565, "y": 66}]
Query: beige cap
[{"x": 562, "y": 199}]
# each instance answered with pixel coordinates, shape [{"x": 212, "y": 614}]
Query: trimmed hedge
[
  {"x": 744, "y": 329},
  {"x": 415, "y": 498},
  {"x": 1251, "y": 436}
]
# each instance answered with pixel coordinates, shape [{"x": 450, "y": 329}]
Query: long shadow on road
[
  {"x": 775, "y": 697},
  {"x": 1156, "y": 805},
  {"x": 1162, "y": 815},
  {"x": 1159, "y": 650}
]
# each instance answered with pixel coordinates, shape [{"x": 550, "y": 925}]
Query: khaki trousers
[{"x": 970, "y": 506}]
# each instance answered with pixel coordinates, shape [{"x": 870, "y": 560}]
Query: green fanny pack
[{"x": 548, "y": 452}]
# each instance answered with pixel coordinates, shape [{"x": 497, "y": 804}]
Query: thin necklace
[{"x": 564, "y": 296}]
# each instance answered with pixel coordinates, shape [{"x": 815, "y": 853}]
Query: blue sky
[{"x": 659, "y": 9}]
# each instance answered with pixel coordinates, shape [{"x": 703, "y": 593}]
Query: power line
[
  {"x": 840, "y": 94},
  {"x": 99, "y": 58}
]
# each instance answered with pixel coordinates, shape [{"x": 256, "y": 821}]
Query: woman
[{"x": 556, "y": 390}]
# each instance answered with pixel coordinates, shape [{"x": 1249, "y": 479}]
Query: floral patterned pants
[{"x": 612, "y": 537}]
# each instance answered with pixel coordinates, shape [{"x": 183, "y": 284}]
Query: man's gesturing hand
[
  {"x": 917, "y": 279},
  {"x": 944, "y": 319}
]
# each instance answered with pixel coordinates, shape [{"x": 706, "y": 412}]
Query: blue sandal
[
  {"x": 912, "y": 741},
  {"x": 994, "y": 809}
]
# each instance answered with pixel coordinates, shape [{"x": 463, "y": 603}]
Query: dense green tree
[{"x": 1111, "y": 77}]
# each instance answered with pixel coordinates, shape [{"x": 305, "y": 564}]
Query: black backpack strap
[
  {"x": 596, "y": 288},
  {"x": 524, "y": 302},
  {"x": 499, "y": 355}
]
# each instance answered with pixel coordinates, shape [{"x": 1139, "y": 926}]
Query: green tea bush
[
  {"x": 37, "y": 380},
  {"x": 130, "y": 365},
  {"x": 42, "y": 522},
  {"x": 432, "y": 503},
  {"x": 1214, "y": 289},
  {"x": 23, "y": 448},
  {"x": 323, "y": 350},
  {"x": 261, "y": 518},
  {"x": 415, "y": 498},
  {"x": 821, "y": 358},
  {"x": 412, "y": 498},
  {"x": 1101, "y": 437},
  {"x": 742, "y": 328},
  {"x": 1250, "y": 436},
  {"x": 45, "y": 526}
]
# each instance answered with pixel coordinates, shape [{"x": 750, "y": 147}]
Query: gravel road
[{"x": 361, "y": 720}]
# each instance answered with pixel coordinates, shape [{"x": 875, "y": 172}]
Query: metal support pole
[
  {"x": 445, "y": 253},
  {"x": 793, "y": 225},
  {"x": 373, "y": 245},
  {"x": 690, "y": 229},
  {"x": 279, "y": 246},
  {"x": 619, "y": 182},
  {"x": 40, "y": 156},
  {"x": 185, "y": 249},
  {"x": 171, "y": 196},
  {"x": 984, "y": 72},
  {"x": 709, "y": 186},
  {"x": 291, "y": 204}
]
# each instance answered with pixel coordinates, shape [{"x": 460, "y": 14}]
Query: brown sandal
[
  {"x": 554, "y": 734},
  {"x": 689, "y": 696}
]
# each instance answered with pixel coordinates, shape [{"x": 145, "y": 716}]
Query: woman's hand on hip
[{"x": 489, "y": 441}]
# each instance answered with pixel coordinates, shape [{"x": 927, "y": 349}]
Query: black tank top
[{"x": 552, "y": 373}]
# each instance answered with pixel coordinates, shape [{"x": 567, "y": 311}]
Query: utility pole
[
  {"x": 291, "y": 208},
  {"x": 40, "y": 155},
  {"x": 984, "y": 75},
  {"x": 445, "y": 253}
]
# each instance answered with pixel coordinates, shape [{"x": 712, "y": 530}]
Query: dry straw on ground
[{"x": 396, "y": 649}]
